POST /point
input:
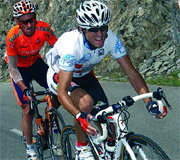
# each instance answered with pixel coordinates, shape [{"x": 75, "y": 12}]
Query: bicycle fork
[
  {"x": 39, "y": 122},
  {"x": 128, "y": 148}
]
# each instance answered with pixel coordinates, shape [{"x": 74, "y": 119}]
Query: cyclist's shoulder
[
  {"x": 74, "y": 34},
  {"x": 43, "y": 26},
  {"x": 111, "y": 35},
  {"x": 70, "y": 38},
  {"x": 14, "y": 32},
  {"x": 42, "y": 23},
  {"x": 112, "y": 39}
]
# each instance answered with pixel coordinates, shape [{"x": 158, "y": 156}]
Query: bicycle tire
[
  {"x": 68, "y": 143},
  {"x": 37, "y": 140},
  {"x": 150, "y": 148},
  {"x": 54, "y": 137}
]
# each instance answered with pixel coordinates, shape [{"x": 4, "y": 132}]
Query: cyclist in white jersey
[{"x": 71, "y": 61}]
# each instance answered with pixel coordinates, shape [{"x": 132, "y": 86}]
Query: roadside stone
[
  {"x": 149, "y": 73},
  {"x": 148, "y": 29},
  {"x": 157, "y": 65}
]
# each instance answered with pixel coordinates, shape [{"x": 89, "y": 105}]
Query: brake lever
[
  {"x": 165, "y": 100},
  {"x": 30, "y": 108},
  {"x": 163, "y": 96},
  {"x": 108, "y": 124},
  {"x": 31, "y": 103}
]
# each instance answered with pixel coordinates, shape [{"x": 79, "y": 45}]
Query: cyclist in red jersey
[{"x": 23, "y": 42}]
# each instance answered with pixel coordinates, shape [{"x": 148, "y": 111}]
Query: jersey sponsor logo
[
  {"x": 85, "y": 58},
  {"x": 67, "y": 61},
  {"x": 56, "y": 58},
  {"x": 119, "y": 46},
  {"x": 34, "y": 52},
  {"x": 101, "y": 52}
]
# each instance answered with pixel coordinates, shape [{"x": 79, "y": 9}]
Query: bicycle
[
  {"x": 128, "y": 145},
  {"x": 47, "y": 128}
]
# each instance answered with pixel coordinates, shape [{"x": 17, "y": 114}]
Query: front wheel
[
  {"x": 57, "y": 123},
  {"x": 144, "y": 149},
  {"x": 68, "y": 143}
]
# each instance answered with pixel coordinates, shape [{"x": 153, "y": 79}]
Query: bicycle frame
[
  {"x": 120, "y": 126},
  {"x": 48, "y": 110}
]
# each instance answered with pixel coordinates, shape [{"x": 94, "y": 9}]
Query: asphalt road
[{"x": 166, "y": 132}]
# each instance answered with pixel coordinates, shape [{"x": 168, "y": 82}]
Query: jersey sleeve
[
  {"x": 50, "y": 37},
  {"x": 67, "y": 62},
  {"x": 66, "y": 48},
  {"x": 117, "y": 48},
  {"x": 11, "y": 50}
]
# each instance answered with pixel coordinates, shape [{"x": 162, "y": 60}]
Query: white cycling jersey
[{"x": 72, "y": 53}]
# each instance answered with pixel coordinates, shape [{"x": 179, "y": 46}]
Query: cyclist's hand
[
  {"x": 28, "y": 93},
  {"x": 153, "y": 109},
  {"x": 81, "y": 118}
]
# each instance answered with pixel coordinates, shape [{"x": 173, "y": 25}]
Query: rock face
[{"x": 149, "y": 29}]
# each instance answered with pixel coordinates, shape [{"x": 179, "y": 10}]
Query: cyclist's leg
[
  {"x": 89, "y": 93},
  {"x": 84, "y": 101},
  {"x": 40, "y": 76},
  {"x": 40, "y": 69},
  {"x": 96, "y": 91},
  {"x": 26, "y": 119}
]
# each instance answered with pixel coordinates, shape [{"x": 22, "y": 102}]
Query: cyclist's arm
[
  {"x": 134, "y": 76},
  {"x": 14, "y": 72},
  {"x": 65, "y": 79}
]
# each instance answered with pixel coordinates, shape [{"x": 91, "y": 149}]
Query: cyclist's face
[
  {"x": 96, "y": 36},
  {"x": 28, "y": 24}
]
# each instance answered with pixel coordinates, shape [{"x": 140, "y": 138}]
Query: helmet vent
[
  {"x": 102, "y": 6},
  {"x": 87, "y": 17},
  {"x": 89, "y": 9},
  {"x": 82, "y": 7},
  {"x": 95, "y": 18},
  {"x": 97, "y": 11},
  {"x": 81, "y": 20},
  {"x": 103, "y": 17}
]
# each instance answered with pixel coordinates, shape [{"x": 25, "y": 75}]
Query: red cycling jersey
[{"x": 27, "y": 48}]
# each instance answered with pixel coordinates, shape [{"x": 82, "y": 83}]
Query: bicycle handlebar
[
  {"x": 126, "y": 102},
  {"x": 35, "y": 101},
  {"x": 129, "y": 101}
]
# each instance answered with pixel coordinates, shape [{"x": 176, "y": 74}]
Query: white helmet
[
  {"x": 92, "y": 14},
  {"x": 23, "y": 7}
]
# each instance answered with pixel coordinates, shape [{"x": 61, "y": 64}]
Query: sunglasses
[
  {"x": 96, "y": 29},
  {"x": 28, "y": 21}
]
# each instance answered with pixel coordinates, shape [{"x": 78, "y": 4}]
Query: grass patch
[{"x": 170, "y": 80}]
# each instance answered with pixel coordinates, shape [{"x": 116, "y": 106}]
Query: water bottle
[
  {"x": 99, "y": 146},
  {"x": 110, "y": 147},
  {"x": 55, "y": 128}
]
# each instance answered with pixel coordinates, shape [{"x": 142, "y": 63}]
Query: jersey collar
[{"x": 86, "y": 44}]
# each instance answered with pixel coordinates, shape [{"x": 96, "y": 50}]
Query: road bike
[
  {"x": 127, "y": 145},
  {"x": 47, "y": 126}
]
